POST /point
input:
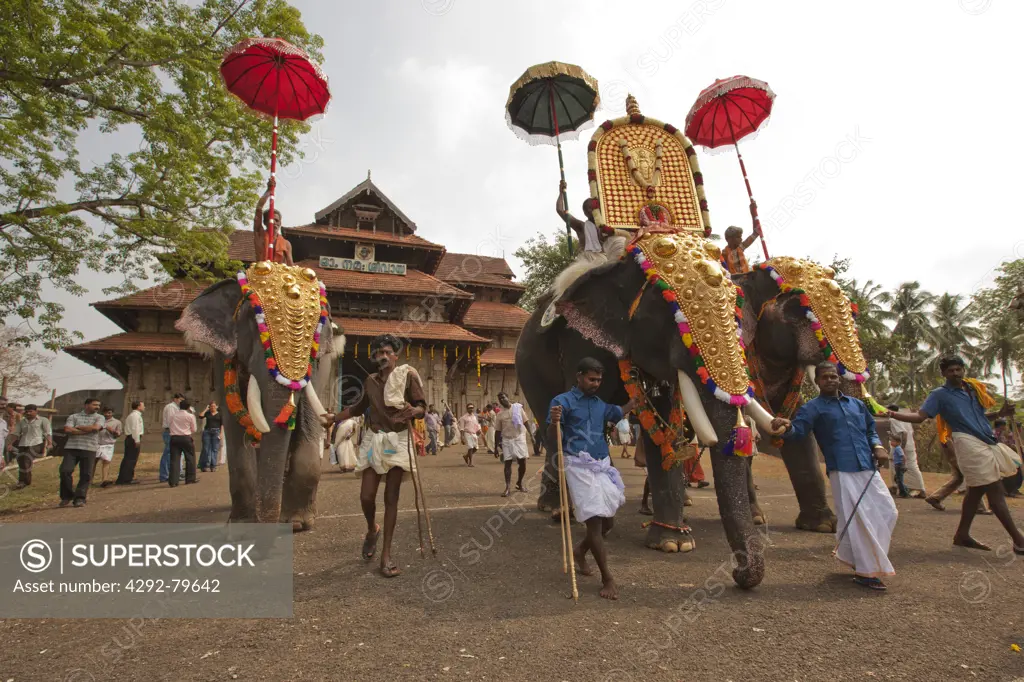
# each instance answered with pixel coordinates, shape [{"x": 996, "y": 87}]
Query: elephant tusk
[
  {"x": 760, "y": 415},
  {"x": 314, "y": 400},
  {"x": 254, "y": 404},
  {"x": 811, "y": 372},
  {"x": 695, "y": 410}
]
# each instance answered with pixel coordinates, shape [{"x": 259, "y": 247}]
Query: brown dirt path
[{"x": 493, "y": 604}]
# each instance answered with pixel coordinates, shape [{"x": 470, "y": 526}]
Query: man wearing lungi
[
  {"x": 846, "y": 434},
  {"x": 594, "y": 485},
  {"x": 960, "y": 403},
  {"x": 510, "y": 424},
  {"x": 391, "y": 399}
]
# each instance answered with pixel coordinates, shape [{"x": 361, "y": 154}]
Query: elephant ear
[
  {"x": 209, "y": 323},
  {"x": 596, "y": 304}
]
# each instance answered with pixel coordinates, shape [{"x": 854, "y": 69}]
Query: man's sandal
[
  {"x": 390, "y": 570},
  {"x": 370, "y": 544},
  {"x": 872, "y": 583}
]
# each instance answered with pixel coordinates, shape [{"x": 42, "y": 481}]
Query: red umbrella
[
  {"x": 725, "y": 112},
  {"x": 275, "y": 78}
]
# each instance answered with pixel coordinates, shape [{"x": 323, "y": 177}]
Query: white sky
[{"x": 926, "y": 89}]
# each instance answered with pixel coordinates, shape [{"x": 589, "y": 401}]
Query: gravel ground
[{"x": 494, "y": 603}]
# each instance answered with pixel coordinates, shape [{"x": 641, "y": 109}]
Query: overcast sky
[{"x": 892, "y": 140}]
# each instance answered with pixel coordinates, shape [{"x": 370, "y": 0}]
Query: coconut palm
[
  {"x": 953, "y": 329},
  {"x": 909, "y": 305},
  {"x": 871, "y": 316},
  {"x": 1000, "y": 348}
]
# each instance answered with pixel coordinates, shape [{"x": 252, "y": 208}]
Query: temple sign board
[{"x": 372, "y": 266}]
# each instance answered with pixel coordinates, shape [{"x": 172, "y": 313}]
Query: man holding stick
[
  {"x": 594, "y": 485},
  {"x": 384, "y": 451},
  {"x": 845, "y": 431},
  {"x": 983, "y": 461}
]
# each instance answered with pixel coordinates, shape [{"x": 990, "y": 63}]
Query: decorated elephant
[
  {"x": 663, "y": 314},
  {"x": 270, "y": 331},
  {"x": 795, "y": 316}
]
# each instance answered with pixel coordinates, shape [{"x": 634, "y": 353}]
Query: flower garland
[
  {"x": 823, "y": 343},
  {"x": 233, "y": 400},
  {"x": 687, "y": 333},
  {"x": 663, "y": 435}
]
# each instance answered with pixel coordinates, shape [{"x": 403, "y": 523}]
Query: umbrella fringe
[
  {"x": 537, "y": 139},
  {"x": 726, "y": 146}
]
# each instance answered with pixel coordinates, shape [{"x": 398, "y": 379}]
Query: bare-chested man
[{"x": 260, "y": 225}]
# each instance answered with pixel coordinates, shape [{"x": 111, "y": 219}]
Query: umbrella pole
[
  {"x": 743, "y": 168},
  {"x": 561, "y": 170},
  {"x": 273, "y": 177}
]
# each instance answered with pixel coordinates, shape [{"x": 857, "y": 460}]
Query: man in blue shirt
[
  {"x": 594, "y": 485},
  {"x": 845, "y": 431},
  {"x": 982, "y": 460}
]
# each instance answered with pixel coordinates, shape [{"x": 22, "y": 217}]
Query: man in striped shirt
[{"x": 83, "y": 441}]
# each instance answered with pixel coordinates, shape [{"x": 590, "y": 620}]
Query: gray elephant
[
  {"x": 609, "y": 313},
  {"x": 276, "y": 480},
  {"x": 782, "y": 346}
]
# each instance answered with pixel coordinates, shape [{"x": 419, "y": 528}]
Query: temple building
[{"x": 456, "y": 313}]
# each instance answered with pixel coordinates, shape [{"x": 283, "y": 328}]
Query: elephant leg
[
  {"x": 667, "y": 531},
  {"x": 298, "y": 498},
  {"x": 731, "y": 477},
  {"x": 756, "y": 514},
  {"x": 241, "y": 472},
  {"x": 801, "y": 459}
]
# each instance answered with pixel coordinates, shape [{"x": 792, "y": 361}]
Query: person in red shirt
[{"x": 733, "y": 257}]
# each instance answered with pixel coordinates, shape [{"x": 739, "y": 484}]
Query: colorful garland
[
  {"x": 823, "y": 343},
  {"x": 663, "y": 435},
  {"x": 268, "y": 350},
  {"x": 687, "y": 334},
  {"x": 233, "y": 400}
]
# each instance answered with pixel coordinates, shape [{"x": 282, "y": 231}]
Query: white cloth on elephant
[
  {"x": 394, "y": 388},
  {"x": 513, "y": 444},
  {"x": 383, "y": 451},
  {"x": 865, "y": 546},
  {"x": 981, "y": 463},
  {"x": 595, "y": 486},
  {"x": 343, "y": 451},
  {"x": 912, "y": 477}
]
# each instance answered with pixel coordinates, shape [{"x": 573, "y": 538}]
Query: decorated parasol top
[
  {"x": 728, "y": 110},
  {"x": 551, "y": 102},
  {"x": 275, "y": 78}
]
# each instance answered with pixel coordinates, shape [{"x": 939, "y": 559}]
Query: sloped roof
[
  {"x": 365, "y": 186},
  {"x": 499, "y": 356},
  {"x": 173, "y": 295},
  {"x": 406, "y": 329},
  {"x": 493, "y": 315},
  {"x": 135, "y": 341},
  {"x": 352, "y": 234},
  {"x": 463, "y": 265}
]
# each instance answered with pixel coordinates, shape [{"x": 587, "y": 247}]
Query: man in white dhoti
[
  {"x": 595, "y": 486},
  {"x": 392, "y": 397},
  {"x": 470, "y": 428},
  {"x": 510, "y": 423},
  {"x": 845, "y": 431},
  {"x": 960, "y": 403}
]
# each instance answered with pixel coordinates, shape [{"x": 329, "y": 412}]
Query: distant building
[{"x": 451, "y": 308}]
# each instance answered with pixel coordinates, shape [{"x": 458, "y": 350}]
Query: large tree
[
  {"x": 21, "y": 367},
  {"x": 543, "y": 257},
  {"x": 143, "y": 74},
  {"x": 909, "y": 305}
]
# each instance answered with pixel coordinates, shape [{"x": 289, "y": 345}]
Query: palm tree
[
  {"x": 871, "y": 316},
  {"x": 909, "y": 304},
  {"x": 1000, "y": 347},
  {"x": 953, "y": 329}
]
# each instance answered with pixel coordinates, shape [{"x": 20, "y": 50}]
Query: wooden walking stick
[
  {"x": 563, "y": 498},
  {"x": 418, "y": 486},
  {"x": 415, "y": 488}
]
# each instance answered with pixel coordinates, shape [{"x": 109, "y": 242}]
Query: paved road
[{"x": 493, "y": 604}]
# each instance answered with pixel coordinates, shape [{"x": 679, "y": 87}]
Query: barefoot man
[
  {"x": 983, "y": 461},
  {"x": 510, "y": 424},
  {"x": 845, "y": 431},
  {"x": 595, "y": 486},
  {"x": 384, "y": 451},
  {"x": 260, "y": 225}
]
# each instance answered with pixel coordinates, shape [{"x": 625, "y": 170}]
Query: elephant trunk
[{"x": 734, "y": 507}]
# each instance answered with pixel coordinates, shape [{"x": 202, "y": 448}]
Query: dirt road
[{"x": 493, "y": 604}]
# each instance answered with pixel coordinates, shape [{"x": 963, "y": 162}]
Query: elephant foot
[
  {"x": 300, "y": 522},
  {"x": 669, "y": 540},
  {"x": 819, "y": 523},
  {"x": 759, "y": 517},
  {"x": 543, "y": 507},
  {"x": 688, "y": 502}
]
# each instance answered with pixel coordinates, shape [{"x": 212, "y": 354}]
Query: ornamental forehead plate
[
  {"x": 291, "y": 306},
  {"x": 829, "y": 304},
  {"x": 708, "y": 300}
]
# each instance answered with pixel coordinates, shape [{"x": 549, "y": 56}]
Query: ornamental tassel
[
  {"x": 741, "y": 443},
  {"x": 444, "y": 351},
  {"x": 873, "y": 405},
  {"x": 284, "y": 418},
  {"x": 431, "y": 352}
]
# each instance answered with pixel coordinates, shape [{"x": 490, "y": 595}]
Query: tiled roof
[
  {"x": 241, "y": 246},
  {"x": 365, "y": 186},
  {"x": 352, "y": 234},
  {"x": 417, "y": 331},
  {"x": 498, "y": 356},
  {"x": 414, "y": 282},
  {"x": 173, "y": 295},
  {"x": 134, "y": 341},
  {"x": 486, "y": 280},
  {"x": 460, "y": 266},
  {"x": 492, "y": 315}
]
